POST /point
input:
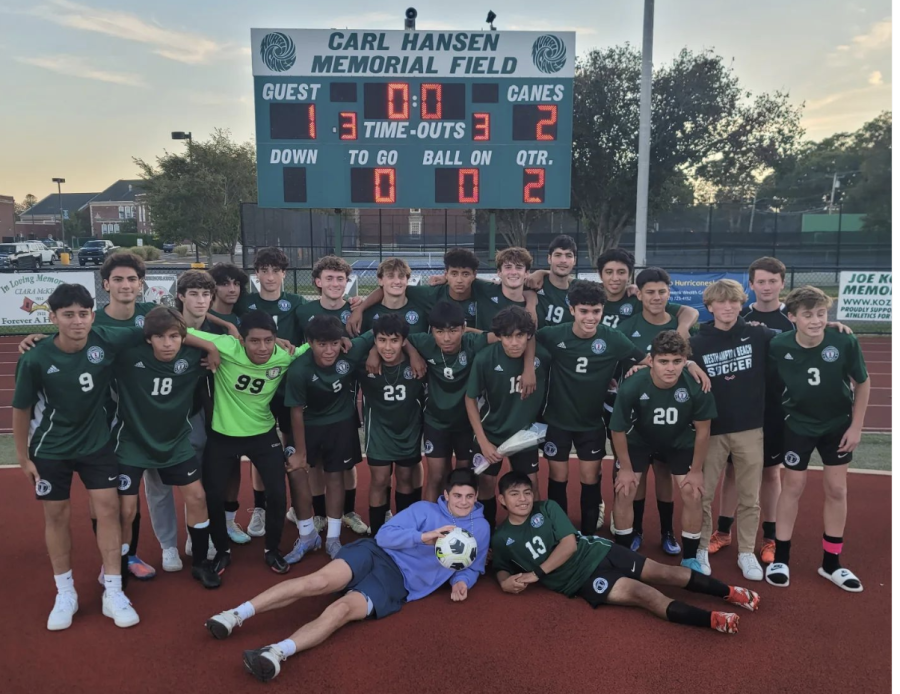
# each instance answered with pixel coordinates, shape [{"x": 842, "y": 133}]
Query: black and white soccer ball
[{"x": 456, "y": 550}]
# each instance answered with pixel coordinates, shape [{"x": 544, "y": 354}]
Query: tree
[
  {"x": 27, "y": 203},
  {"x": 129, "y": 226},
  {"x": 513, "y": 225},
  {"x": 197, "y": 196},
  {"x": 872, "y": 190},
  {"x": 702, "y": 125}
]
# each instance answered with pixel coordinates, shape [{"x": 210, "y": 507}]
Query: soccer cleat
[
  {"x": 333, "y": 546},
  {"x": 64, "y": 609},
  {"x": 257, "y": 525},
  {"x": 222, "y": 624},
  {"x": 140, "y": 569},
  {"x": 387, "y": 517},
  {"x": 670, "y": 545},
  {"x": 236, "y": 533},
  {"x": 744, "y": 597},
  {"x": 264, "y": 663},
  {"x": 170, "y": 560},
  {"x": 321, "y": 522},
  {"x": 767, "y": 552},
  {"x": 600, "y": 518},
  {"x": 117, "y": 607},
  {"x": 220, "y": 562},
  {"x": 778, "y": 575},
  {"x": 726, "y": 622},
  {"x": 353, "y": 521},
  {"x": 636, "y": 542},
  {"x": 207, "y": 575},
  {"x": 703, "y": 560},
  {"x": 692, "y": 564},
  {"x": 750, "y": 566},
  {"x": 718, "y": 541},
  {"x": 302, "y": 546},
  {"x": 276, "y": 562}
]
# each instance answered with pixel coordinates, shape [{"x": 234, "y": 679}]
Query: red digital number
[
  {"x": 533, "y": 186},
  {"x": 311, "y": 115},
  {"x": 388, "y": 178},
  {"x": 395, "y": 89},
  {"x": 548, "y": 119},
  {"x": 437, "y": 112},
  {"x": 481, "y": 126},
  {"x": 472, "y": 174},
  {"x": 347, "y": 121}
]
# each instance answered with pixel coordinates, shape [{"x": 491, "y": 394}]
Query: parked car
[
  {"x": 19, "y": 255},
  {"x": 95, "y": 251},
  {"x": 47, "y": 255},
  {"x": 58, "y": 247},
  {"x": 168, "y": 247}
]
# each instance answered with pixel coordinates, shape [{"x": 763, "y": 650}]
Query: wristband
[{"x": 540, "y": 573}]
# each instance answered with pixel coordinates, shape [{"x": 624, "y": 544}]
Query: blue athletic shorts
[{"x": 375, "y": 576}]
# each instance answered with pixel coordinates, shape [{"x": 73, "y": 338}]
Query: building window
[
  {"x": 129, "y": 212},
  {"x": 104, "y": 228},
  {"x": 121, "y": 212}
]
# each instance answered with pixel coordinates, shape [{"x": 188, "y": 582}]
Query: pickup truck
[{"x": 95, "y": 251}]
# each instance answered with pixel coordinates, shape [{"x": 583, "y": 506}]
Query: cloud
[
  {"x": 875, "y": 78},
  {"x": 871, "y": 90},
  {"x": 75, "y": 66},
  {"x": 215, "y": 99},
  {"x": 877, "y": 37}
]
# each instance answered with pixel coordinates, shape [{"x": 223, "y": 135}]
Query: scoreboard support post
[{"x": 492, "y": 236}]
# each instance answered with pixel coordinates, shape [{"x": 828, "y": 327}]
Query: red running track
[{"x": 810, "y": 638}]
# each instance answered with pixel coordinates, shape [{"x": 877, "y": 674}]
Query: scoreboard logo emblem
[
  {"x": 277, "y": 51},
  {"x": 681, "y": 395},
  {"x": 181, "y": 366},
  {"x": 830, "y": 354},
  {"x": 598, "y": 346},
  {"x": 549, "y": 54},
  {"x": 95, "y": 355}
]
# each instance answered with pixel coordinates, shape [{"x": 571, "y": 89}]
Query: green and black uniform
[
  {"x": 817, "y": 398},
  {"x": 641, "y": 332},
  {"x": 227, "y": 317},
  {"x": 429, "y": 295},
  {"x": 415, "y": 312},
  {"x": 392, "y": 414},
  {"x": 616, "y": 311},
  {"x": 327, "y": 395},
  {"x": 659, "y": 422},
  {"x": 553, "y": 305},
  {"x": 490, "y": 300},
  {"x": 312, "y": 309},
  {"x": 590, "y": 572},
  {"x": 68, "y": 395}
]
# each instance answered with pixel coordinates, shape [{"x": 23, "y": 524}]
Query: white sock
[
  {"x": 690, "y": 536},
  {"x": 334, "y": 528},
  {"x": 624, "y": 531},
  {"x": 65, "y": 582},
  {"x": 229, "y": 516},
  {"x": 245, "y": 611},
  {"x": 306, "y": 527},
  {"x": 112, "y": 583},
  {"x": 287, "y": 647}
]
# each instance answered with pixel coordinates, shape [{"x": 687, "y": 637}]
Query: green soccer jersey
[
  {"x": 155, "y": 402},
  {"x": 327, "y": 393},
  {"x": 429, "y": 296},
  {"x": 817, "y": 396},
  {"x": 553, "y": 305},
  {"x": 392, "y": 412},
  {"x": 490, "y": 301},
  {"x": 414, "y": 312},
  {"x": 227, "y": 317},
  {"x": 69, "y": 393},
  {"x": 312, "y": 309},
  {"x": 497, "y": 378},
  {"x": 445, "y": 407},
  {"x": 580, "y": 373},
  {"x": 660, "y": 418},
  {"x": 283, "y": 310},
  {"x": 523, "y": 548},
  {"x": 615, "y": 312},
  {"x": 243, "y": 390},
  {"x": 141, "y": 309},
  {"x": 641, "y": 332}
]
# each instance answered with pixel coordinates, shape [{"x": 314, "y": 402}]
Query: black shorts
[
  {"x": 440, "y": 443},
  {"x": 773, "y": 444},
  {"x": 589, "y": 445},
  {"x": 282, "y": 416},
  {"x": 178, "y": 475},
  {"x": 525, "y": 462},
  {"x": 677, "y": 459},
  {"x": 99, "y": 470},
  {"x": 375, "y": 576},
  {"x": 620, "y": 562},
  {"x": 408, "y": 462},
  {"x": 799, "y": 448},
  {"x": 332, "y": 445}
]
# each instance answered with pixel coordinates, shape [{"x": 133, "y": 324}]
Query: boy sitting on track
[{"x": 376, "y": 576}]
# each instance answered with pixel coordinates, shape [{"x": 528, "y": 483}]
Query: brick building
[
  {"x": 7, "y": 216},
  {"x": 120, "y": 202},
  {"x": 42, "y": 220}
]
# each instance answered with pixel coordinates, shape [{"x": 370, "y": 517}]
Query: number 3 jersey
[
  {"x": 392, "y": 410},
  {"x": 523, "y": 548},
  {"x": 70, "y": 392}
]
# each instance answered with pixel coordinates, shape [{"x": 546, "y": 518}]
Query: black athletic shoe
[
  {"x": 207, "y": 575},
  {"x": 264, "y": 663},
  {"x": 221, "y": 562},
  {"x": 276, "y": 562}
]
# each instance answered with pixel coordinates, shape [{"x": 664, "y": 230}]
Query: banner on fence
[
  {"x": 23, "y": 296},
  {"x": 865, "y": 296},
  {"x": 160, "y": 288},
  {"x": 687, "y": 288}
]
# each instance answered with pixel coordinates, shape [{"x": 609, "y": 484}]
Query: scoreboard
[{"x": 413, "y": 119}]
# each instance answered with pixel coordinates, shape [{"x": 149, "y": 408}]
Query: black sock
[
  {"x": 135, "y": 534},
  {"x": 199, "y": 538},
  {"x": 319, "y": 505},
  {"x": 698, "y": 583},
  {"x": 377, "y": 515},
  {"x": 404, "y": 501},
  {"x": 831, "y": 562},
  {"x": 725, "y": 524},
  {"x": 94, "y": 525},
  {"x": 638, "y": 506},
  {"x": 782, "y": 551},
  {"x": 417, "y": 494},
  {"x": 349, "y": 501},
  {"x": 768, "y": 530},
  {"x": 123, "y": 567},
  {"x": 232, "y": 506},
  {"x": 259, "y": 499},
  {"x": 590, "y": 508},
  {"x": 681, "y": 613},
  {"x": 624, "y": 539},
  {"x": 666, "y": 513},
  {"x": 490, "y": 511},
  {"x": 690, "y": 546},
  {"x": 556, "y": 491}
]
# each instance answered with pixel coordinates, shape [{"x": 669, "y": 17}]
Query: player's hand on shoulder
[
  {"x": 436, "y": 280},
  {"x": 354, "y": 322},
  {"x": 285, "y": 345},
  {"x": 840, "y": 327},
  {"x": 460, "y": 591},
  {"x": 212, "y": 360},
  {"x": 417, "y": 364},
  {"x": 30, "y": 341},
  {"x": 700, "y": 376},
  {"x": 373, "y": 363},
  {"x": 346, "y": 344},
  {"x": 233, "y": 331},
  {"x": 535, "y": 280},
  {"x": 529, "y": 383},
  {"x": 432, "y": 536},
  {"x": 628, "y": 374},
  {"x": 631, "y": 290},
  {"x": 354, "y": 301}
]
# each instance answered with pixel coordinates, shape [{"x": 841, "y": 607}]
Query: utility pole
[{"x": 643, "y": 184}]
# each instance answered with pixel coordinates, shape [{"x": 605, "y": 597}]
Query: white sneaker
[
  {"x": 170, "y": 559},
  {"x": 264, "y": 663},
  {"x": 222, "y": 624},
  {"x": 189, "y": 547},
  {"x": 750, "y": 566},
  {"x": 387, "y": 516},
  {"x": 320, "y": 523},
  {"x": 703, "y": 560},
  {"x": 257, "y": 525},
  {"x": 353, "y": 521},
  {"x": 117, "y": 607},
  {"x": 210, "y": 550},
  {"x": 602, "y": 514},
  {"x": 64, "y": 609}
]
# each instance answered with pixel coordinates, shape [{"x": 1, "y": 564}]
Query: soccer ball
[{"x": 456, "y": 550}]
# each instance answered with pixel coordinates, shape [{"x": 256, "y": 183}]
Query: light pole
[
  {"x": 62, "y": 227},
  {"x": 643, "y": 182},
  {"x": 179, "y": 135}
]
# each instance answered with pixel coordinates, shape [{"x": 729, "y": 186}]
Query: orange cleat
[
  {"x": 767, "y": 552},
  {"x": 726, "y": 622},
  {"x": 743, "y": 597},
  {"x": 718, "y": 541}
]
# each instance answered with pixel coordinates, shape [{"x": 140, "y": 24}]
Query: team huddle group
[{"x": 454, "y": 368}]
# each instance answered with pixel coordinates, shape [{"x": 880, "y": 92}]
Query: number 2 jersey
[
  {"x": 523, "y": 548},
  {"x": 392, "y": 412}
]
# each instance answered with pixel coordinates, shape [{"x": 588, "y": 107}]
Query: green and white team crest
[
  {"x": 95, "y": 354},
  {"x": 830, "y": 354},
  {"x": 181, "y": 366},
  {"x": 273, "y": 373}
]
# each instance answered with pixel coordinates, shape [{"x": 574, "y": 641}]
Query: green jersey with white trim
[
  {"x": 392, "y": 412},
  {"x": 430, "y": 295},
  {"x": 490, "y": 300},
  {"x": 616, "y": 311},
  {"x": 283, "y": 310},
  {"x": 641, "y": 332},
  {"x": 414, "y": 312},
  {"x": 553, "y": 305},
  {"x": 312, "y": 309},
  {"x": 141, "y": 309}
]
